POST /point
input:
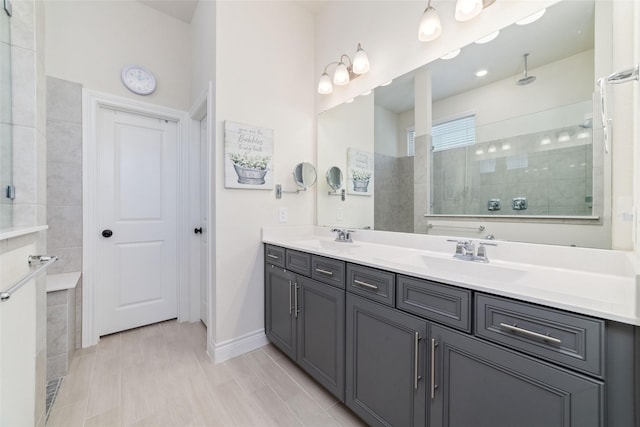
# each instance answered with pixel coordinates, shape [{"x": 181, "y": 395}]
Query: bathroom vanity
[{"x": 405, "y": 335}]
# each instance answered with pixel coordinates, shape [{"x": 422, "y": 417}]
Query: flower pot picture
[
  {"x": 248, "y": 156},
  {"x": 251, "y": 170},
  {"x": 360, "y": 185}
]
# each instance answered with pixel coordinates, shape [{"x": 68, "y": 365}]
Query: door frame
[
  {"x": 92, "y": 101},
  {"x": 201, "y": 108}
]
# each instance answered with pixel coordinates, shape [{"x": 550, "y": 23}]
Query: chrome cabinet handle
[
  {"x": 433, "y": 368},
  {"x": 290, "y": 307},
  {"x": 515, "y": 329},
  {"x": 366, "y": 285},
  {"x": 295, "y": 298},
  {"x": 272, "y": 256},
  {"x": 327, "y": 272},
  {"x": 415, "y": 361}
]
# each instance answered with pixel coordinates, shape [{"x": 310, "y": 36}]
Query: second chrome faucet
[{"x": 466, "y": 250}]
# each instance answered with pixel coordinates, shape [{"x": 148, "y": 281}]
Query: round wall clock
[{"x": 138, "y": 79}]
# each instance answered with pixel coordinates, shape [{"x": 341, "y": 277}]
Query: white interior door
[
  {"x": 136, "y": 266},
  {"x": 204, "y": 223}
]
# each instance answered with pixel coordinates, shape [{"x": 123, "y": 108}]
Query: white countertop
[
  {"x": 596, "y": 282},
  {"x": 62, "y": 281}
]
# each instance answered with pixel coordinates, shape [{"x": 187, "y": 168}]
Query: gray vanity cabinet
[
  {"x": 480, "y": 384},
  {"x": 280, "y": 321},
  {"x": 320, "y": 333},
  {"x": 305, "y": 319},
  {"x": 385, "y": 382}
]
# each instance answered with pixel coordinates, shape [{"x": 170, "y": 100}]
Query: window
[
  {"x": 454, "y": 133},
  {"x": 411, "y": 141}
]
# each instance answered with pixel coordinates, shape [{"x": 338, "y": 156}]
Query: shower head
[{"x": 527, "y": 78}]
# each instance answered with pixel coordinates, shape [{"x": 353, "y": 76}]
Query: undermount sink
[
  {"x": 329, "y": 245},
  {"x": 457, "y": 267}
]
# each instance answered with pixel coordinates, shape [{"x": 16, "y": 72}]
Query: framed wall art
[{"x": 248, "y": 156}]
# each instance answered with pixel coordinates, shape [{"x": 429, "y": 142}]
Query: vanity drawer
[
  {"x": 372, "y": 283},
  {"x": 274, "y": 255},
  {"x": 327, "y": 270},
  {"x": 435, "y": 301},
  {"x": 569, "y": 339},
  {"x": 299, "y": 262}
]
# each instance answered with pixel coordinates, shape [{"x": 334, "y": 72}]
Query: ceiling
[
  {"x": 564, "y": 30},
  {"x": 184, "y": 9}
]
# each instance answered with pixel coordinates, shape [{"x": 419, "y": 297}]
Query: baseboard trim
[{"x": 225, "y": 350}]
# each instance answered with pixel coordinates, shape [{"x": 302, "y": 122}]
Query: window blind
[
  {"x": 454, "y": 133},
  {"x": 411, "y": 141}
]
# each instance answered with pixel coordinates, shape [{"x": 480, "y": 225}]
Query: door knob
[
  {"x": 198, "y": 230},
  {"x": 107, "y": 233}
]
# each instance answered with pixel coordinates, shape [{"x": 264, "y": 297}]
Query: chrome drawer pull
[
  {"x": 328, "y": 273},
  {"x": 532, "y": 334},
  {"x": 272, "y": 256},
  {"x": 366, "y": 285},
  {"x": 290, "y": 307}
]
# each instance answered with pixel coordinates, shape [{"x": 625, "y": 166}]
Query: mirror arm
[
  {"x": 341, "y": 194},
  {"x": 279, "y": 191}
]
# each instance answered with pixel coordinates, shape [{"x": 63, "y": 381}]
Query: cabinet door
[
  {"x": 385, "y": 364},
  {"x": 483, "y": 385},
  {"x": 321, "y": 333},
  {"x": 279, "y": 310}
]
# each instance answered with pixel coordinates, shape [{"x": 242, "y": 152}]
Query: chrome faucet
[
  {"x": 466, "y": 250},
  {"x": 343, "y": 235}
]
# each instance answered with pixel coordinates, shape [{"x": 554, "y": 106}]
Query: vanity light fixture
[
  {"x": 479, "y": 152},
  {"x": 481, "y": 73},
  {"x": 468, "y": 9},
  {"x": 430, "y": 27},
  {"x": 582, "y": 134},
  {"x": 545, "y": 141},
  {"x": 488, "y": 38},
  {"x": 492, "y": 149},
  {"x": 506, "y": 147},
  {"x": 564, "y": 137},
  {"x": 451, "y": 54},
  {"x": 346, "y": 71},
  {"x": 531, "y": 18}
]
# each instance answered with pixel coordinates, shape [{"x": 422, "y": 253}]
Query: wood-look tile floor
[{"x": 160, "y": 375}]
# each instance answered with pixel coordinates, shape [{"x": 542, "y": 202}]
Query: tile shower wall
[
  {"x": 393, "y": 193},
  {"x": 555, "y": 182},
  {"x": 64, "y": 181}
]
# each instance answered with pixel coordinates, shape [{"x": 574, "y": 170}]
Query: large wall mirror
[{"x": 517, "y": 143}]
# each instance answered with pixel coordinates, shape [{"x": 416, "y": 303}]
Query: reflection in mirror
[
  {"x": 334, "y": 178},
  {"x": 509, "y": 150},
  {"x": 305, "y": 175},
  {"x": 6, "y": 170}
]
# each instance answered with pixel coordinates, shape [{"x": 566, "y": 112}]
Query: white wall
[
  {"x": 263, "y": 76},
  {"x": 386, "y": 133},
  {"x": 88, "y": 42},
  {"x": 348, "y": 126}
]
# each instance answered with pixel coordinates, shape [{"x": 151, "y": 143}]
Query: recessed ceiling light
[
  {"x": 387, "y": 83},
  {"x": 545, "y": 141},
  {"x": 506, "y": 146},
  {"x": 451, "y": 54},
  {"x": 531, "y": 18},
  {"x": 492, "y": 149},
  {"x": 349, "y": 101},
  {"x": 582, "y": 135},
  {"x": 367, "y": 92},
  {"x": 487, "y": 39},
  {"x": 481, "y": 73},
  {"x": 479, "y": 152}
]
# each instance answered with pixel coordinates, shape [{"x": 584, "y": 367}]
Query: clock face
[{"x": 138, "y": 80}]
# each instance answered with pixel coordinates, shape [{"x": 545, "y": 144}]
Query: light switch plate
[
  {"x": 283, "y": 215},
  {"x": 339, "y": 214}
]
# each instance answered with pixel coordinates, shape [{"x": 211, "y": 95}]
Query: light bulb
[
  {"x": 341, "y": 77},
  {"x": 481, "y": 73},
  {"x": 467, "y": 9},
  {"x": 360, "y": 61},
  {"x": 430, "y": 27},
  {"x": 324, "y": 85}
]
